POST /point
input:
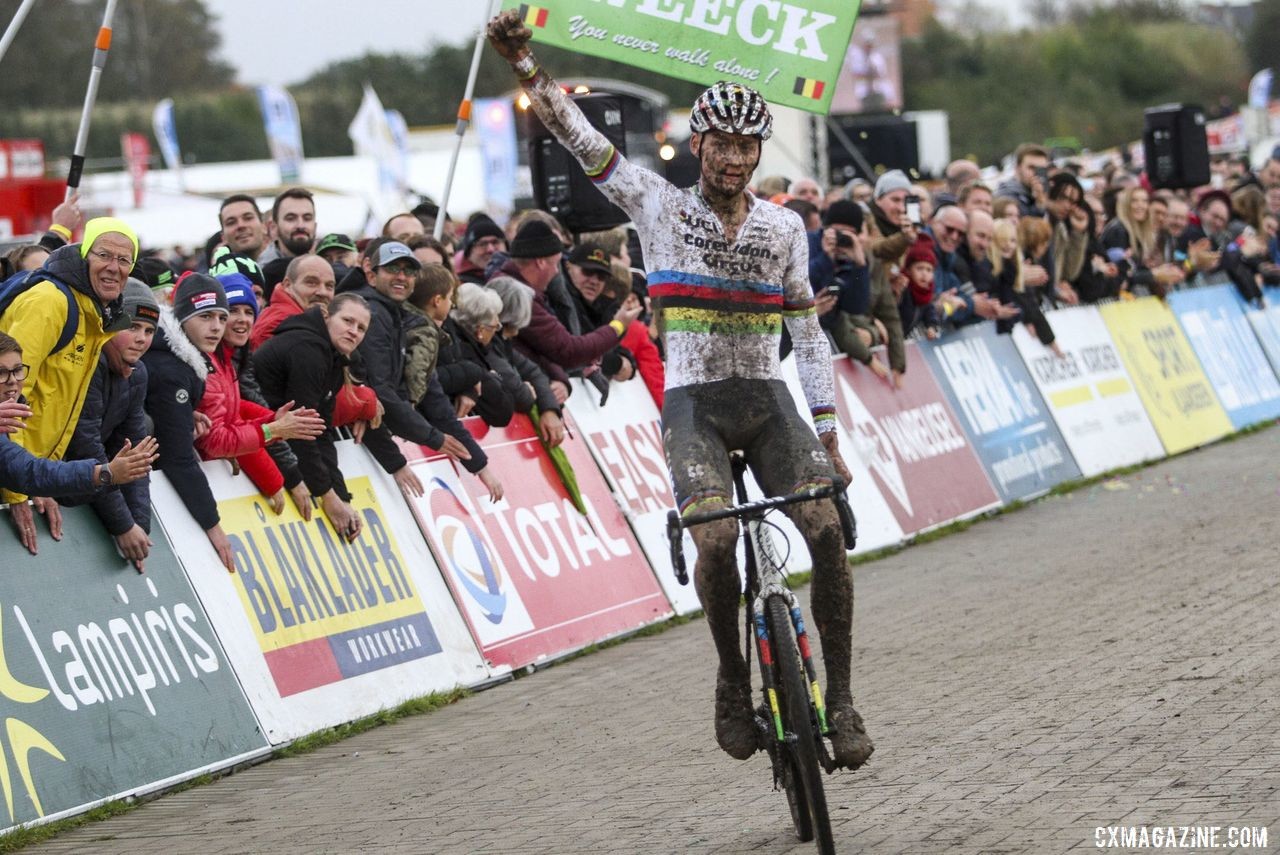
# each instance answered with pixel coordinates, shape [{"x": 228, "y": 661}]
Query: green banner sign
[
  {"x": 110, "y": 681},
  {"x": 790, "y": 51}
]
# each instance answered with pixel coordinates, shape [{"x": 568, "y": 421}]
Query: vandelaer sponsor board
[
  {"x": 112, "y": 683},
  {"x": 789, "y": 50}
]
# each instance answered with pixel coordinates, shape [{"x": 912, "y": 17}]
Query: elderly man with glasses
[{"x": 61, "y": 316}]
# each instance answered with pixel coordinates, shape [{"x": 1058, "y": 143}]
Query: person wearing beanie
[
  {"x": 71, "y": 304},
  {"x": 483, "y": 238},
  {"x": 916, "y": 306},
  {"x": 390, "y": 270},
  {"x": 841, "y": 281},
  {"x": 177, "y": 368},
  {"x": 241, "y": 429},
  {"x": 114, "y": 413},
  {"x": 225, "y": 261}
]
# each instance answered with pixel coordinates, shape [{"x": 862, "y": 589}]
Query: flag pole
[
  {"x": 100, "y": 49},
  {"x": 464, "y": 119},
  {"x": 11, "y": 32}
]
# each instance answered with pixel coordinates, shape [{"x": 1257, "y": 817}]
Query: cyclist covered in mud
[{"x": 725, "y": 271}]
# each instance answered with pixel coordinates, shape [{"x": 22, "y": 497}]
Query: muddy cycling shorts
[{"x": 702, "y": 423}]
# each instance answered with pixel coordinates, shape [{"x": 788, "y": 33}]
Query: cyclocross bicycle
[{"x": 792, "y": 718}]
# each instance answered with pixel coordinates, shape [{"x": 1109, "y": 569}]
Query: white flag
[{"x": 373, "y": 136}]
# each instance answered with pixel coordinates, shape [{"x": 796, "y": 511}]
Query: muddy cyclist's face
[{"x": 728, "y": 160}]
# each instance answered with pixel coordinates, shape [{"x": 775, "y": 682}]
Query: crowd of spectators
[{"x": 279, "y": 335}]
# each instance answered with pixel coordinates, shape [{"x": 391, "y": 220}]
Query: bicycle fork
[{"x": 764, "y": 645}]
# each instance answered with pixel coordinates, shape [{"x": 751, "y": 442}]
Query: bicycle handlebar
[{"x": 676, "y": 524}]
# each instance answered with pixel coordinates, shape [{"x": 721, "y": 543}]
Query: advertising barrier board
[
  {"x": 1007, "y": 421},
  {"x": 913, "y": 445},
  {"x": 113, "y": 682},
  {"x": 534, "y": 577},
  {"x": 1174, "y": 389},
  {"x": 877, "y": 527},
  {"x": 1266, "y": 326},
  {"x": 1215, "y": 324},
  {"x": 1089, "y": 393},
  {"x": 321, "y": 631},
  {"x": 625, "y": 438}
]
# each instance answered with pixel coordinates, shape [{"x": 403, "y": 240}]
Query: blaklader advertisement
[
  {"x": 319, "y": 630},
  {"x": 113, "y": 682},
  {"x": 791, "y": 52}
]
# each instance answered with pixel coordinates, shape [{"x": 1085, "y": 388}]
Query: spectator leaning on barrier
[
  {"x": 838, "y": 271},
  {"x": 307, "y": 362},
  {"x": 517, "y": 309},
  {"x": 242, "y": 227},
  {"x": 471, "y": 328},
  {"x": 178, "y": 367},
  {"x": 391, "y": 269},
  {"x": 240, "y": 429},
  {"x": 114, "y": 416},
  {"x": 637, "y": 341},
  {"x": 292, "y": 228},
  {"x": 308, "y": 281},
  {"x": 1027, "y": 186},
  {"x": 22, "y": 470},
  {"x": 431, "y": 300},
  {"x": 1068, "y": 243},
  {"x": 61, "y": 316}
]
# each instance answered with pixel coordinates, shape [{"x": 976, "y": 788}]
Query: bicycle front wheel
[{"x": 804, "y": 789}]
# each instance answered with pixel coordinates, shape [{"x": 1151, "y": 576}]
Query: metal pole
[
  {"x": 100, "y": 49},
  {"x": 11, "y": 33},
  {"x": 464, "y": 119}
]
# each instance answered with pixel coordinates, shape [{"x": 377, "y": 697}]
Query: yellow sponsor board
[
  {"x": 300, "y": 582},
  {"x": 1173, "y": 387}
]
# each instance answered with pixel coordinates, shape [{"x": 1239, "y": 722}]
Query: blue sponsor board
[
  {"x": 1224, "y": 341},
  {"x": 988, "y": 385},
  {"x": 1266, "y": 325}
]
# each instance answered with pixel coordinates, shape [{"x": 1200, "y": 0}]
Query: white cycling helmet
[{"x": 733, "y": 109}]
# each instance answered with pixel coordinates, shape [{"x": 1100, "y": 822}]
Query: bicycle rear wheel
[{"x": 803, "y": 782}]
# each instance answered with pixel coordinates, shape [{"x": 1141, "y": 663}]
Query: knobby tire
[{"x": 804, "y": 785}]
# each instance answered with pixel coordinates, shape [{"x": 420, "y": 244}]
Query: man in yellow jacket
[{"x": 84, "y": 280}]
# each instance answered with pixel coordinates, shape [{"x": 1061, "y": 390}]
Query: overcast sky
[{"x": 258, "y": 36}]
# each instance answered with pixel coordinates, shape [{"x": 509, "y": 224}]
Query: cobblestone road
[{"x": 1104, "y": 658}]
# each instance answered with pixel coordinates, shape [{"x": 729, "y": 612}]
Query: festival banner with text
[{"x": 791, "y": 52}]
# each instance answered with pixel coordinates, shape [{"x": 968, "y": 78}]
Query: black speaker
[
  {"x": 560, "y": 187},
  {"x": 885, "y": 141},
  {"x": 1175, "y": 146}
]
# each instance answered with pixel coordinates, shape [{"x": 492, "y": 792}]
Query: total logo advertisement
[
  {"x": 625, "y": 437},
  {"x": 1007, "y": 420},
  {"x": 912, "y": 444},
  {"x": 322, "y": 630},
  {"x": 1089, "y": 393},
  {"x": 1215, "y": 324},
  {"x": 534, "y": 577},
  {"x": 1174, "y": 389},
  {"x": 111, "y": 683}
]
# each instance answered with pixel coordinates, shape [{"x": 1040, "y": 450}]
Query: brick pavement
[{"x": 1102, "y": 658}]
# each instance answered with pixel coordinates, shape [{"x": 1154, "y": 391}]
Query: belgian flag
[
  {"x": 533, "y": 16},
  {"x": 808, "y": 88}
]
